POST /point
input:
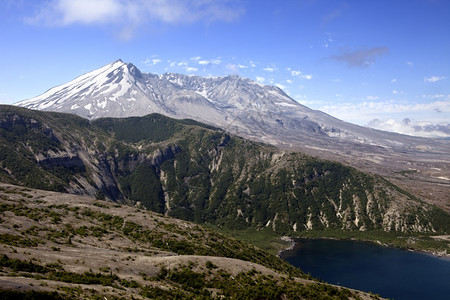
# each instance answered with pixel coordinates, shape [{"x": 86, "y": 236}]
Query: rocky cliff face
[{"x": 186, "y": 170}]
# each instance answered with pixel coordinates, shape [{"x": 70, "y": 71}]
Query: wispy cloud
[
  {"x": 328, "y": 40},
  {"x": 205, "y": 62},
  {"x": 361, "y": 112},
  {"x": 235, "y": 68},
  {"x": 361, "y": 58},
  {"x": 433, "y": 78},
  {"x": 191, "y": 69},
  {"x": 391, "y": 106},
  {"x": 151, "y": 61},
  {"x": 65, "y": 12},
  {"x": 260, "y": 79},
  {"x": 372, "y": 98},
  {"x": 412, "y": 127},
  {"x": 331, "y": 16},
  {"x": 435, "y": 96},
  {"x": 269, "y": 69},
  {"x": 133, "y": 14},
  {"x": 300, "y": 75}
]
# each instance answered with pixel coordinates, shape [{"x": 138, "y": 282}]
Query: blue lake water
[{"x": 389, "y": 272}]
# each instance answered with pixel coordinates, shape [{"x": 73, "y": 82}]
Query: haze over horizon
[{"x": 382, "y": 64}]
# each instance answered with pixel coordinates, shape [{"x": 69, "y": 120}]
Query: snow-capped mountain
[
  {"x": 239, "y": 105},
  {"x": 120, "y": 90},
  {"x": 259, "y": 112}
]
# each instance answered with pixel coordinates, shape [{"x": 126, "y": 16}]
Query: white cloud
[
  {"x": 289, "y": 81},
  {"x": 410, "y": 64},
  {"x": 65, "y": 12},
  {"x": 435, "y": 96},
  {"x": 279, "y": 85},
  {"x": 394, "y": 80},
  {"x": 372, "y": 98},
  {"x": 260, "y": 79},
  {"x": 269, "y": 69},
  {"x": 300, "y": 75},
  {"x": 151, "y": 61},
  {"x": 411, "y": 127},
  {"x": 235, "y": 68},
  {"x": 433, "y": 78},
  {"x": 362, "y": 112},
  {"x": 191, "y": 69},
  {"x": 133, "y": 14},
  {"x": 205, "y": 62}
]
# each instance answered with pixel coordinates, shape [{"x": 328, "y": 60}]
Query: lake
[{"x": 389, "y": 272}]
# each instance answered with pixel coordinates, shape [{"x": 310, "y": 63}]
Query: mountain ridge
[{"x": 186, "y": 170}]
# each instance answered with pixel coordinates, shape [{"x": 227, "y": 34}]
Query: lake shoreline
[
  {"x": 291, "y": 246},
  {"x": 293, "y": 243}
]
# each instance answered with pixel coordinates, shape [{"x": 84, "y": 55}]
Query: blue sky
[{"x": 357, "y": 60}]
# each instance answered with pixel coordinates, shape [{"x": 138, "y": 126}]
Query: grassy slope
[{"x": 64, "y": 246}]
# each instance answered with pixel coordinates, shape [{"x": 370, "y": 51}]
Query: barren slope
[{"x": 80, "y": 247}]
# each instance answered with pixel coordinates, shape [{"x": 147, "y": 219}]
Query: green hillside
[{"x": 184, "y": 169}]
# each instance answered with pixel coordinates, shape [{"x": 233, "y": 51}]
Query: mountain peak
[
  {"x": 115, "y": 64},
  {"x": 119, "y": 89}
]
